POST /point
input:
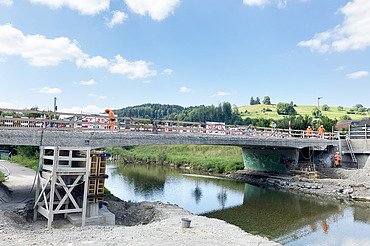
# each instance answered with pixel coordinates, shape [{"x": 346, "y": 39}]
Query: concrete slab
[{"x": 104, "y": 218}]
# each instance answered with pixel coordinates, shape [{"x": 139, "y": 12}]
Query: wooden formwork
[
  {"x": 97, "y": 176},
  {"x": 61, "y": 177}
]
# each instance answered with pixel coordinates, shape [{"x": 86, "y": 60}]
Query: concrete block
[{"x": 104, "y": 218}]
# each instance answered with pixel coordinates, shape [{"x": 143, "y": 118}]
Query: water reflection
[{"x": 281, "y": 216}]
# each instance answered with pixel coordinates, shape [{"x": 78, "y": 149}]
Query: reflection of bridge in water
[{"x": 279, "y": 215}]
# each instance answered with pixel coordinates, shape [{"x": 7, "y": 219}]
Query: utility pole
[
  {"x": 55, "y": 104},
  {"x": 318, "y": 102}
]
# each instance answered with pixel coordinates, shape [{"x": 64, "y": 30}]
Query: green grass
[
  {"x": 219, "y": 158},
  {"x": 25, "y": 161},
  {"x": 2, "y": 177},
  {"x": 255, "y": 111}
]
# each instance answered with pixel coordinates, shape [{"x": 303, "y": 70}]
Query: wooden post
[
  {"x": 86, "y": 186},
  {"x": 38, "y": 182},
  {"x": 52, "y": 188},
  {"x": 365, "y": 137}
]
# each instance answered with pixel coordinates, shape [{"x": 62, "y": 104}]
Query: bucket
[{"x": 185, "y": 222}]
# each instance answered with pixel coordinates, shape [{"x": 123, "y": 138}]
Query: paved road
[{"x": 19, "y": 182}]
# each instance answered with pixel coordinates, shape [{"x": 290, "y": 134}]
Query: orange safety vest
[
  {"x": 321, "y": 130},
  {"x": 309, "y": 131},
  {"x": 337, "y": 159}
]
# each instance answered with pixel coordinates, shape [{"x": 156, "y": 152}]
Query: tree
[
  {"x": 266, "y": 100},
  {"x": 325, "y": 107},
  {"x": 357, "y": 106},
  {"x": 257, "y": 101},
  {"x": 285, "y": 109},
  {"x": 340, "y": 108},
  {"x": 252, "y": 102},
  {"x": 316, "y": 112}
]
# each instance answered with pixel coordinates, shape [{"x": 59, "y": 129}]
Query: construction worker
[
  {"x": 321, "y": 131},
  {"x": 309, "y": 131},
  {"x": 112, "y": 120},
  {"x": 337, "y": 159}
]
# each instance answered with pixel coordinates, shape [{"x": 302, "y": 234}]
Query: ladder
[{"x": 349, "y": 145}]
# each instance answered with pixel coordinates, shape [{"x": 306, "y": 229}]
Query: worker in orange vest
[
  {"x": 309, "y": 131},
  {"x": 321, "y": 131},
  {"x": 337, "y": 159},
  {"x": 112, "y": 120}
]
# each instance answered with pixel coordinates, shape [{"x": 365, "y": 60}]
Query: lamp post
[
  {"x": 55, "y": 104},
  {"x": 318, "y": 102}
]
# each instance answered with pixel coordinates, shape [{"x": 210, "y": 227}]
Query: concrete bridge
[{"x": 264, "y": 149}]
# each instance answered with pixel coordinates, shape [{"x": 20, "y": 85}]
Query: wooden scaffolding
[{"x": 62, "y": 185}]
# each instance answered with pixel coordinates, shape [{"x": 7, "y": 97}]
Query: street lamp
[
  {"x": 55, "y": 104},
  {"x": 318, "y": 102}
]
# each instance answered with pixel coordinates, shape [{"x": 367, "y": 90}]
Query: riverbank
[
  {"x": 155, "y": 223},
  {"x": 215, "y": 159},
  {"x": 343, "y": 184}
]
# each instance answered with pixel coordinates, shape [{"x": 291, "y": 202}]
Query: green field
[{"x": 256, "y": 111}]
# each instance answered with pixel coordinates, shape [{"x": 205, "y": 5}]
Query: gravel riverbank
[
  {"x": 154, "y": 224},
  {"x": 352, "y": 185}
]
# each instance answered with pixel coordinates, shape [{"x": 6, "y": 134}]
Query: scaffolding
[{"x": 61, "y": 186}]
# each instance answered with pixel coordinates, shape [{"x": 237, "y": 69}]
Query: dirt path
[{"x": 163, "y": 228}]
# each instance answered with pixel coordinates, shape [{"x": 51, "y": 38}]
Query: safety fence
[{"x": 32, "y": 119}]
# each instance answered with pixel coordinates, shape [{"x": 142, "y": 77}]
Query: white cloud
[
  {"x": 117, "y": 18},
  {"x": 92, "y": 62},
  {"x": 97, "y": 96},
  {"x": 49, "y": 90},
  {"x": 6, "y": 105},
  {"x": 37, "y": 49},
  {"x": 221, "y": 94},
  {"x": 167, "y": 71},
  {"x": 134, "y": 70},
  {"x": 157, "y": 10},
  {"x": 147, "y": 81},
  {"x": 262, "y": 3},
  {"x": 41, "y": 51},
  {"x": 6, "y": 2},
  {"x": 184, "y": 89},
  {"x": 340, "y": 68},
  {"x": 89, "y": 109},
  {"x": 358, "y": 75},
  {"x": 352, "y": 34},
  {"x": 87, "y": 7},
  {"x": 87, "y": 82}
]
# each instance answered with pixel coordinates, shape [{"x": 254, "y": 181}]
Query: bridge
[{"x": 278, "y": 149}]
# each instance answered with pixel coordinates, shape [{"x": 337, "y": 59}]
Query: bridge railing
[{"x": 33, "y": 119}]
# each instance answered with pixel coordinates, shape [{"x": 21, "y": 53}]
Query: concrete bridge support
[{"x": 276, "y": 160}]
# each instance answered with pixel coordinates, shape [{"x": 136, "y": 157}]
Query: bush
[
  {"x": 266, "y": 100},
  {"x": 340, "y": 108},
  {"x": 285, "y": 109},
  {"x": 316, "y": 112},
  {"x": 325, "y": 107},
  {"x": 346, "y": 117}
]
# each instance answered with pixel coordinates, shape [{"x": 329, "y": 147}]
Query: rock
[{"x": 347, "y": 191}]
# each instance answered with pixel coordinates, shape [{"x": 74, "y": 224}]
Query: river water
[{"x": 282, "y": 217}]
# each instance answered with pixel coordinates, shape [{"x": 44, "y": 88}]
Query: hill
[{"x": 263, "y": 111}]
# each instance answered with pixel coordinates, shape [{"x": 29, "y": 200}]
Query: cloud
[
  {"x": 221, "y": 94},
  {"x": 352, "y": 34},
  {"x": 262, "y": 3},
  {"x": 37, "y": 49},
  {"x": 92, "y": 62},
  {"x": 6, "y": 105},
  {"x": 87, "y": 82},
  {"x": 49, "y": 90},
  {"x": 117, "y": 18},
  {"x": 157, "y": 10},
  {"x": 41, "y": 51},
  {"x": 147, "y": 81},
  {"x": 134, "y": 70},
  {"x": 184, "y": 89},
  {"x": 358, "y": 75},
  {"x": 6, "y": 2},
  {"x": 89, "y": 109},
  {"x": 98, "y": 96},
  {"x": 167, "y": 71},
  {"x": 86, "y": 7},
  {"x": 340, "y": 68}
]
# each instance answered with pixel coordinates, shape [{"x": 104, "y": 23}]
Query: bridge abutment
[{"x": 274, "y": 160}]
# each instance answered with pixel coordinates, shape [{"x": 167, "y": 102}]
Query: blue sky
[{"x": 94, "y": 54}]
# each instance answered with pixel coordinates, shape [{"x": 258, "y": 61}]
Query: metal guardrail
[{"x": 34, "y": 120}]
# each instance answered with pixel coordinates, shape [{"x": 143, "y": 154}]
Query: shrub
[
  {"x": 325, "y": 107},
  {"x": 285, "y": 109}
]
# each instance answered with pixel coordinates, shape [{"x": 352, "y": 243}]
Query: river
[{"x": 283, "y": 217}]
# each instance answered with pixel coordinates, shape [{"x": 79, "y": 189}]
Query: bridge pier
[{"x": 276, "y": 160}]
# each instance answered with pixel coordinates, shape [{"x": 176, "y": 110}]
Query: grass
[
  {"x": 219, "y": 158},
  {"x": 25, "y": 161},
  {"x": 2, "y": 177},
  {"x": 256, "y": 111}
]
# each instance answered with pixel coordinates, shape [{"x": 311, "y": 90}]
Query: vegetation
[
  {"x": 285, "y": 109},
  {"x": 218, "y": 158},
  {"x": 266, "y": 100},
  {"x": 27, "y": 156},
  {"x": 2, "y": 177}
]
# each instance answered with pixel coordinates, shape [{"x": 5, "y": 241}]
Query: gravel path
[{"x": 165, "y": 230}]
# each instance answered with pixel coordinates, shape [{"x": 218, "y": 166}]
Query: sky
[{"x": 97, "y": 54}]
